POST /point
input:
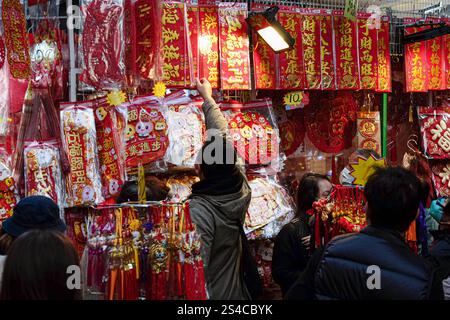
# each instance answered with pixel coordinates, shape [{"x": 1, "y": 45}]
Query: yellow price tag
[{"x": 294, "y": 100}]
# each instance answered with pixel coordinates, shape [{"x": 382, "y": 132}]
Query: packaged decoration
[
  {"x": 181, "y": 187},
  {"x": 102, "y": 44},
  {"x": 254, "y": 131},
  {"x": 110, "y": 149},
  {"x": 146, "y": 139},
  {"x": 270, "y": 209},
  {"x": 292, "y": 128},
  {"x": 441, "y": 177},
  {"x": 83, "y": 184},
  {"x": 43, "y": 175},
  {"x": 186, "y": 130},
  {"x": 4, "y": 90},
  {"x": 435, "y": 129},
  {"x": 8, "y": 194}
]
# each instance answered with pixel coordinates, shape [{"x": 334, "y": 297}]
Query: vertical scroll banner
[
  {"x": 310, "y": 30},
  {"x": 291, "y": 71},
  {"x": 264, "y": 59},
  {"x": 415, "y": 62},
  {"x": 436, "y": 62},
  {"x": 193, "y": 25},
  {"x": 175, "y": 47},
  {"x": 345, "y": 32},
  {"x": 447, "y": 56},
  {"x": 368, "y": 57},
  {"x": 209, "y": 44},
  {"x": 384, "y": 57},
  {"x": 328, "y": 72},
  {"x": 234, "y": 46}
]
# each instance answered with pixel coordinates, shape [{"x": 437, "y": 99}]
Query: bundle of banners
[
  {"x": 8, "y": 194},
  {"x": 343, "y": 212},
  {"x": 148, "y": 253},
  {"x": 270, "y": 209}
]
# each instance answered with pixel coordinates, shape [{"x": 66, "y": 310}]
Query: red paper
[
  {"x": 310, "y": 30},
  {"x": 435, "y": 129},
  {"x": 292, "y": 73},
  {"x": 234, "y": 47},
  {"x": 368, "y": 49},
  {"x": 441, "y": 177},
  {"x": 436, "y": 62},
  {"x": 416, "y": 69},
  {"x": 209, "y": 44},
  {"x": 327, "y": 53},
  {"x": 384, "y": 57},
  {"x": 193, "y": 23},
  {"x": 346, "y": 52}
]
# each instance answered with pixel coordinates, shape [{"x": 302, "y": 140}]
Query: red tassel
[
  {"x": 189, "y": 283},
  {"x": 200, "y": 287}
]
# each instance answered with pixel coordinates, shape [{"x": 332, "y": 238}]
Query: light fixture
[{"x": 270, "y": 30}]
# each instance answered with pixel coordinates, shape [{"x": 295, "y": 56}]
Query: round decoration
[
  {"x": 2, "y": 52},
  {"x": 331, "y": 123},
  {"x": 146, "y": 135},
  {"x": 368, "y": 128},
  {"x": 253, "y": 137},
  {"x": 292, "y": 132}
]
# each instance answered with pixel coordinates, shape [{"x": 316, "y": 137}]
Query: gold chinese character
[
  {"x": 169, "y": 35},
  {"x": 366, "y": 43},
  {"x": 170, "y": 16},
  {"x": 366, "y": 69},
  {"x": 291, "y": 24},
  {"x": 171, "y": 52},
  {"x": 346, "y": 41},
  {"x": 210, "y": 21},
  {"x": 309, "y": 24}
]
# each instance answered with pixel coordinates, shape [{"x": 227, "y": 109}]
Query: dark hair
[
  {"x": 218, "y": 165},
  {"x": 156, "y": 190},
  {"x": 6, "y": 241},
  {"x": 36, "y": 267},
  {"x": 393, "y": 196},
  {"x": 366, "y": 153},
  {"x": 308, "y": 191}
]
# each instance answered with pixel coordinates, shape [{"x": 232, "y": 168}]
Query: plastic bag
[
  {"x": 102, "y": 44},
  {"x": 254, "y": 131},
  {"x": 270, "y": 209},
  {"x": 110, "y": 149},
  {"x": 181, "y": 187},
  {"x": 4, "y": 91},
  {"x": 43, "y": 170},
  {"x": 435, "y": 129},
  {"x": 80, "y": 142},
  {"x": 8, "y": 194},
  {"x": 186, "y": 131},
  {"x": 146, "y": 139}
]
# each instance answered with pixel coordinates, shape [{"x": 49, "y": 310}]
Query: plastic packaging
[
  {"x": 186, "y": 131},
  {"x": 110, "y": 149},
  {"x": 181, "y": 187},
  {"x": 102, "y": 44},
  {"x": 270, "y": 209},
  {"x": 80, "y": 142},
  {"x": 4, "y": 90},
  {"x": 8, "y": 194},
  {"x": 435, "y": 129},
  {"x": 43, "y": 174}
]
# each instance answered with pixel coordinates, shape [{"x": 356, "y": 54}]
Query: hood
[{"x": 230, "y": 207}]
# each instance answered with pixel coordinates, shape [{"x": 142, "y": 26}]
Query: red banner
[
  {"x": 234, "y": 47},
  {"x": 264, "y": 60},
  {"x": 193, "y": 24},
  {"x": 436, "y": 62},
  {"x": 311, "y": 48},
  {"x": 415, "y": 62},
  {"x": 384, "y": 57},
  {"x": 175, "y": 49},
  {"x": 209, "y": 44},
  {"x": 367, "y": 44},
  {"x": 346, "y": 52},
  {"x": 326, "y": 53},
  {"x": 291, "y": 62}
]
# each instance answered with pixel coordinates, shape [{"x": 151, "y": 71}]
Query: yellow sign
[
  {"x": 296, "y": 99},
  {"x": 363, "y": 169},
  {"x": 116, "y": 97},
  {"x": 159, "y": 90}
]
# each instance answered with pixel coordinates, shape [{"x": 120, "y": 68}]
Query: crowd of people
[{"x": 375, "y": 263}]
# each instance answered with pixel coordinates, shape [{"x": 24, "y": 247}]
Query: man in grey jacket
[{"x": 218, "y": 205}]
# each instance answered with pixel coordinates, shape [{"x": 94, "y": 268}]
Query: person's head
[
  {"x": 345, "y": 178},
  {"x": 156, "y": 190},
  {"x": 216, "y": 159},
  {"x": 37, "y": 266},
  {"x": 35, "y": 212},
  {"x": 393, "y": 196},
  {"x": 312, "y": 187}
]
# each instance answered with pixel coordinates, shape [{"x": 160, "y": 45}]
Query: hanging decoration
[
  {"x": 345, "y": 33},
  {"x": 291, "y": 70},
  {"x": 369, "y": 133},
  {"x": 83, "y": 184},
  {"x": 361, "y": 169},
  {"x": 435, "y": 128},
  {"x": 102, "y": 44},
  {"x": 441, "y": 177},
  {"x": 176, "y": 68},
  {"x": 327, "y": 51},
  {"x": 14, "y": 23},
  {"x": 384, "y": 57},
  {"x": 331, "y": 123},
  {"x": 436, "y": 62},
  {"x": 193, "y": 20},
  {"x": 416, "y": 68},
  {"x": 2, "y": 52},
  {"x": 368, "y": 53},
  {"x": 310, "y": 30},
  {"x": 234, "y": 46},
  {"x": 292, "y": 130},
  {"x": 209, "y": 44},
  {"x": 8, "y": 197}
]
